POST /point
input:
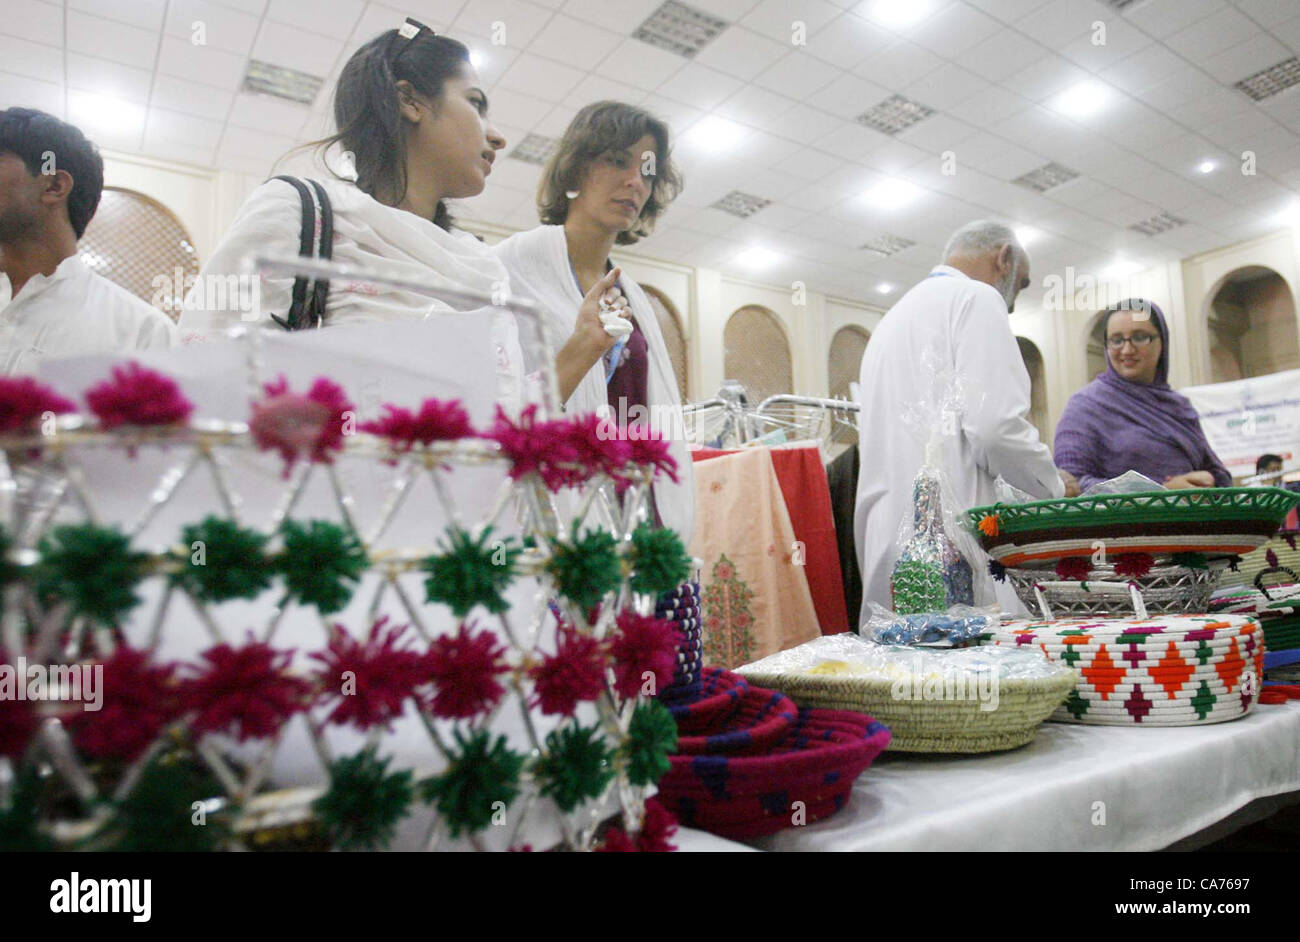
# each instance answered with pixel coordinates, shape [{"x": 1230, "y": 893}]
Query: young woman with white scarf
[
  {"x": 608, "y": 181},
  {"x": 411, "y": 112}
]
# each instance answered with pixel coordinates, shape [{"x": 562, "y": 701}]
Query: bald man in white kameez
[{"x": 958, "y": 314}]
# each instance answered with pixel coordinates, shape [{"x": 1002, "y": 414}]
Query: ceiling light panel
[
  {"x": 1161, "y": 222},
  {"x": 680, "y": 29},
  {"x": 262, "y": 78},
  {"x": 742, "y": 205},
  {"x": 895, "y": 114},
  {"x": 1271, "y": 81},
  {"x": 534, "y": 149},
  {"x": 887, "y": 245},
  {"x": 1047, "y": 177}
]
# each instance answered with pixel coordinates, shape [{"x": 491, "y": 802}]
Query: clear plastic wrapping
[
  {"x": 850, "y": 655},
  {"x": 1130, "y": 482}
]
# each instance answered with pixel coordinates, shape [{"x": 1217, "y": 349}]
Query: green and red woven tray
[{"x": 1214, "y": 521}]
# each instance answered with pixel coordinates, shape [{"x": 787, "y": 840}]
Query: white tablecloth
[{"x": 1150, "y": 787}]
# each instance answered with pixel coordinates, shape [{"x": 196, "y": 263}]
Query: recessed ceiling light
[
  {"x": 897, "y": 14},
  {"x": 1121, "y": 268},
  {"x": 884, "y": 287},
  {"x": 1206, "y": 166},
  {"x": 1290, "y": 216},
  {"x": 757, "y": 257},
  {"x": 476, "y": 58},
  {"x": 1081, "y": 100},
  {"x": 715, "y": 134},
  {"x": 891, "y": 194},
  {"x": 1027, "y": 235}
]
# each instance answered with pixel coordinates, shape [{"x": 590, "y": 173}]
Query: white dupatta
[{"x": 538, "y": 265}]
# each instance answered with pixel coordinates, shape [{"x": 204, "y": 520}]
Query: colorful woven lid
[{"x": 1223, "y": 521}]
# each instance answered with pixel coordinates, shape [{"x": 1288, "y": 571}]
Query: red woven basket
[
  {"x": 762, "y": 718},
  {"x": 719, "y": 693}
]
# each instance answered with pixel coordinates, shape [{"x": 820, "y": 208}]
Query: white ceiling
[{"x": 991, "y": 69}]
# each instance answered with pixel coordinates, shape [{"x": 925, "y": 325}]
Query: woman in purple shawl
[{"x": 1129, "y": 418}]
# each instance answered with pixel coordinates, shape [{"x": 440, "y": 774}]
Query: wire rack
[{"x": 728, "y": 421}]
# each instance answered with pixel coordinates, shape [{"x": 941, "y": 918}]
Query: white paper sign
[{"x": 1251, "y": 417}]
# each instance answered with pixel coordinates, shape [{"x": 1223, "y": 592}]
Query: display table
[{"x": 1073, "y": 788}]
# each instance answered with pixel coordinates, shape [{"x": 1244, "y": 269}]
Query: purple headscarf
[{"x": 1114, "y": 425}]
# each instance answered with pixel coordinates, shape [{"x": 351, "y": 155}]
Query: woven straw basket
[{"x": 921, "y": 725}]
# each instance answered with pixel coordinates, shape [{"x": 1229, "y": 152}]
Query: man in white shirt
[
  {"x": 957, "y": 320},
  {"x": 51, "y": 179}
]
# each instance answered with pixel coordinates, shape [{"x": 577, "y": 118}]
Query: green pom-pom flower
[
  {"x": 91, "y": 567},
  {"x": 159, "y": 814},
  {"x": 482, "y": 773},
  {"x": 1191, "y": 560},
  {"x": 577, "y": 765},
  {"x": 651, "y": 737},
  {"x": 364, "y": 803},
  {"x": 659, "y": 560},
  {"x": 8, "y": 571},
  {"x": 224, "y": 561},
  {"x": 321, "y": 563},
  {"x": 586, "y": 568},
  {"x": 471, "y": 572}
]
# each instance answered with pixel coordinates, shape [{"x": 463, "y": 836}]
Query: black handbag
[{"x": 308, "y": 307}]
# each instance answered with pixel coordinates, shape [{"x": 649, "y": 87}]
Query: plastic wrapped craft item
[
  {"x": 931, "y": 574},
  {"x": 958, "y": 700},
  {"x": 745, "y": 796},
  {"x": 962, "y": 624}
]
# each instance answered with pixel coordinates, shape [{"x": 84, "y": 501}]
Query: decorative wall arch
[
  {"x": 756, "y": 352},
  {"x": 140, "y": 244},
  {"x": 1249, "y": 316},
  {"x": 844, "y": 359},
  {"x": 1095, "y": 347},
  {"x": 1034, "y": 365},
  {"x": 674, "y": 334}
]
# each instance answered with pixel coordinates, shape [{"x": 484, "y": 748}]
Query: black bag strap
[{"x": 304, "y": 310}]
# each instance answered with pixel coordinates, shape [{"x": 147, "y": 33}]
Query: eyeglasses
[{"x": 1139, "y": 341}]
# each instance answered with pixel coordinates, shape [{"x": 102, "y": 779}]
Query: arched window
[
  {"x": 1097, "y": 347},
  {"x": 844, "y": 362},
  {"x": 757, "y": 354},
  {"x": 139, "y": 243},
  {"x": 1033, "y": 358},
  {"x": 1251, "y": 325},
  {"x": 670, "y": 325}
]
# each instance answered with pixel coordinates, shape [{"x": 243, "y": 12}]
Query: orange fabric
[
  {"x": 754, "y": 600},
  {"x": 807, "y": 497}
]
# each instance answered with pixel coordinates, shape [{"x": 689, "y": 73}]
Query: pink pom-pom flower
[
  {"x": 295, "y": 424},
  {"x": 540, "y": 447},
  {"x": 464, "y": 668},
  {"x": 23, "y": 403},
  {"x": 644, "y": 649},
  {"x": 139, "y": 699},
  {"x": 369, "y": 681},
  {"x": 437, "y": 420},
  {"x": 248, "y": 692},
  {"x": 574, "y": 673},
  {"x": 138, "y": 396}
]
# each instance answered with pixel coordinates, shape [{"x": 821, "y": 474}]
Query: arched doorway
[
  {"x": 670, "y": 325},
  {"x": 1033, "y": 358},
  {"x": 139, "y": 243},
  {"x": 1250, "y": 321},
  {"x": 843, "y": 367},
  {"x": 1097, "y": 347},
  {"x": 757, "y": 354}
]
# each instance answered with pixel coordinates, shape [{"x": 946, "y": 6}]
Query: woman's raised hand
[{"x": 590, "y": 328}]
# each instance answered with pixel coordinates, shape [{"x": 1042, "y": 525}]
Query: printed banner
[{"x": 1251, "y": 417}]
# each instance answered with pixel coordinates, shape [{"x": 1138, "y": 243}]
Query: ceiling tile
[
  {"x": 1245, "y": 59},
  {"x": 848, "y": 96},
  {"x": 1001, "y": 56},
  {"x": 937, "y": 134},
  {"x": 20, "y": 57},
  {"x": 255, "y": 7},
  {"x": 798, "y": 75},
  {"x": 108, "y": 78},
  {"x": 1213, "y": 34},
  {"x": 953, "y": 30},
  {"x": 280, "y": 44},
  {"x": 849, "y": 141},
  {"x": 1163, "y": 18},
  {"x": 811, "y": 164},
  {"x": 946, "y": 86},
  {"x": 30, "y": 93},
  {"x": 1008, "y": 11},
  {"x": 146, "y": 14},
  {"x": 516, "y": 108},
  {"x": 574, "y": 42},
  {"x": 898, "y": 65},
  {"x": 621, "y": 16},
  {"x": 181, "y": 151},
  {"x": 34, "y": 21},
  {"x": 335, "y": 18},
  {"x": 805, "y": 124},
  {"x": 741, "y": 52},
  {"x": 639, "y": 64},
  {"x": 599, "y": 88},
  {"x": 110, "y": 123},
  {"x": 848, "y": 40},
  {"x": 221, "y": 27},
  {"x": 699, "y": 86},
  {"x": 1122, "y": 40},
  {"x": 110, "y": 39},
  {"x": 263, "y": 113},
  {"x": 756, "y": 107},
  {"x": 205, "y": 101},
  {"x": 1061, "y": 21},
  {"x": 776, "y": 19},
  {"x": 201, "y": 63},
  {"x": 680, "y": 117},
  {"x": 162, "y": 125},
  {"x": 1046, "y": 78}
]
